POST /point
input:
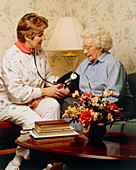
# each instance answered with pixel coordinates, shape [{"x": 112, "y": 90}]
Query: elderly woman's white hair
[{"x": 101, "y": 37}]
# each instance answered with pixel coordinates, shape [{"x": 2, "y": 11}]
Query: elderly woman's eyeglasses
[{"x": 87, "y": 47}]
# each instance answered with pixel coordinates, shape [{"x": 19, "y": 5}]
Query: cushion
[
  {"x": 116, "y": 127},
  {"x": 132, "y": 84},
  {"x": 130, "y": 126}
]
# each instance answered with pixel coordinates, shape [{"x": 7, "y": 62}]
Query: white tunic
[{"x": 19, "y": 81}]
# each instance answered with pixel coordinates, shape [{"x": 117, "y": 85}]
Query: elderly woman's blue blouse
[{"x": 107, "y": 72}]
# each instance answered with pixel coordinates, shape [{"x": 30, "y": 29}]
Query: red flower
[
  {"x": 85, "y": 97},
  {"x": 86, "y": 116},
  {"x": 115, "y": 108}
]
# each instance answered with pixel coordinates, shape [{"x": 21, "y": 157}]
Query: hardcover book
[
  {"x": 47, "y": 133},
  {"x": 53, "y": 136},
  {"x": 61, "y": 139},
  {"x": 51, "y": 125}
]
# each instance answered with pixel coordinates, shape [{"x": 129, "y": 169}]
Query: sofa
[
  {"x": 9, "y": 131},
  {"x": 128, "y": 126}
]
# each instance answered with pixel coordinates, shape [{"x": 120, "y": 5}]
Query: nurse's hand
[
  {"x": 56, "y": 91},
  {"x": 35, "y": 102}
]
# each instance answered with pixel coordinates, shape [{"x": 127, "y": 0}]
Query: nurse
[{"x": 24, "y": 96}]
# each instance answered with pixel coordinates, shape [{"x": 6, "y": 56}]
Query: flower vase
[{"x": 95, "y": 132}]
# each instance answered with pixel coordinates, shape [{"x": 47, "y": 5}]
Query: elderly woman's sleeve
[
  {"x": 116, "y": 80},
  {"x": 72, "y": 84}
]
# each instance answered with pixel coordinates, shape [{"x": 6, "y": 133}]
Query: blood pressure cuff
[{"x": 73, "y": 85}]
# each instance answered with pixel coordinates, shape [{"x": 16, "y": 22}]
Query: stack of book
[{"x": 53, "y": 128}]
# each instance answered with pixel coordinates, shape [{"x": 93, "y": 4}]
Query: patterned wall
[
  {"x": 12, "y": 10},
  {"x": 118, "y": 16}
]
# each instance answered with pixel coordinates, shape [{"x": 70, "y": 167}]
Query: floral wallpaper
[{"x": 118, "y": 16}]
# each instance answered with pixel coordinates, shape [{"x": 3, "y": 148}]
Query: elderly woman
[
  {"x": 100, "y": 70},
  {"x": 25, "y": 97}
]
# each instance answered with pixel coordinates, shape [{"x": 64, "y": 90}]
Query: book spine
[
  {"x": 51, "y": 127},
  {"x": 52, "y": 122},
  {"x": 52, "y": 132}
]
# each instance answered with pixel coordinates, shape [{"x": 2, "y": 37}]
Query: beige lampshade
[{"x": 66, "y": 35}]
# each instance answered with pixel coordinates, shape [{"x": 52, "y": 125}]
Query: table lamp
[{"x": 66, "y": 38}]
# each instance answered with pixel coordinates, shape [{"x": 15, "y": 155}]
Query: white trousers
[{"x": 24, "y": 116}]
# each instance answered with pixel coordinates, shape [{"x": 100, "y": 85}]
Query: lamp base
[{"x": 69, "y": 54}]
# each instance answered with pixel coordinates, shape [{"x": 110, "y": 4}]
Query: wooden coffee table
[{"x": 117, "y": 151}]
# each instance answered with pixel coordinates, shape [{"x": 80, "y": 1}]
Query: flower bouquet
[{"x": 92, "y": 110}]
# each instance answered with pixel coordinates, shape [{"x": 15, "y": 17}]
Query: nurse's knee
[{"x": 54, "y": 103}]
